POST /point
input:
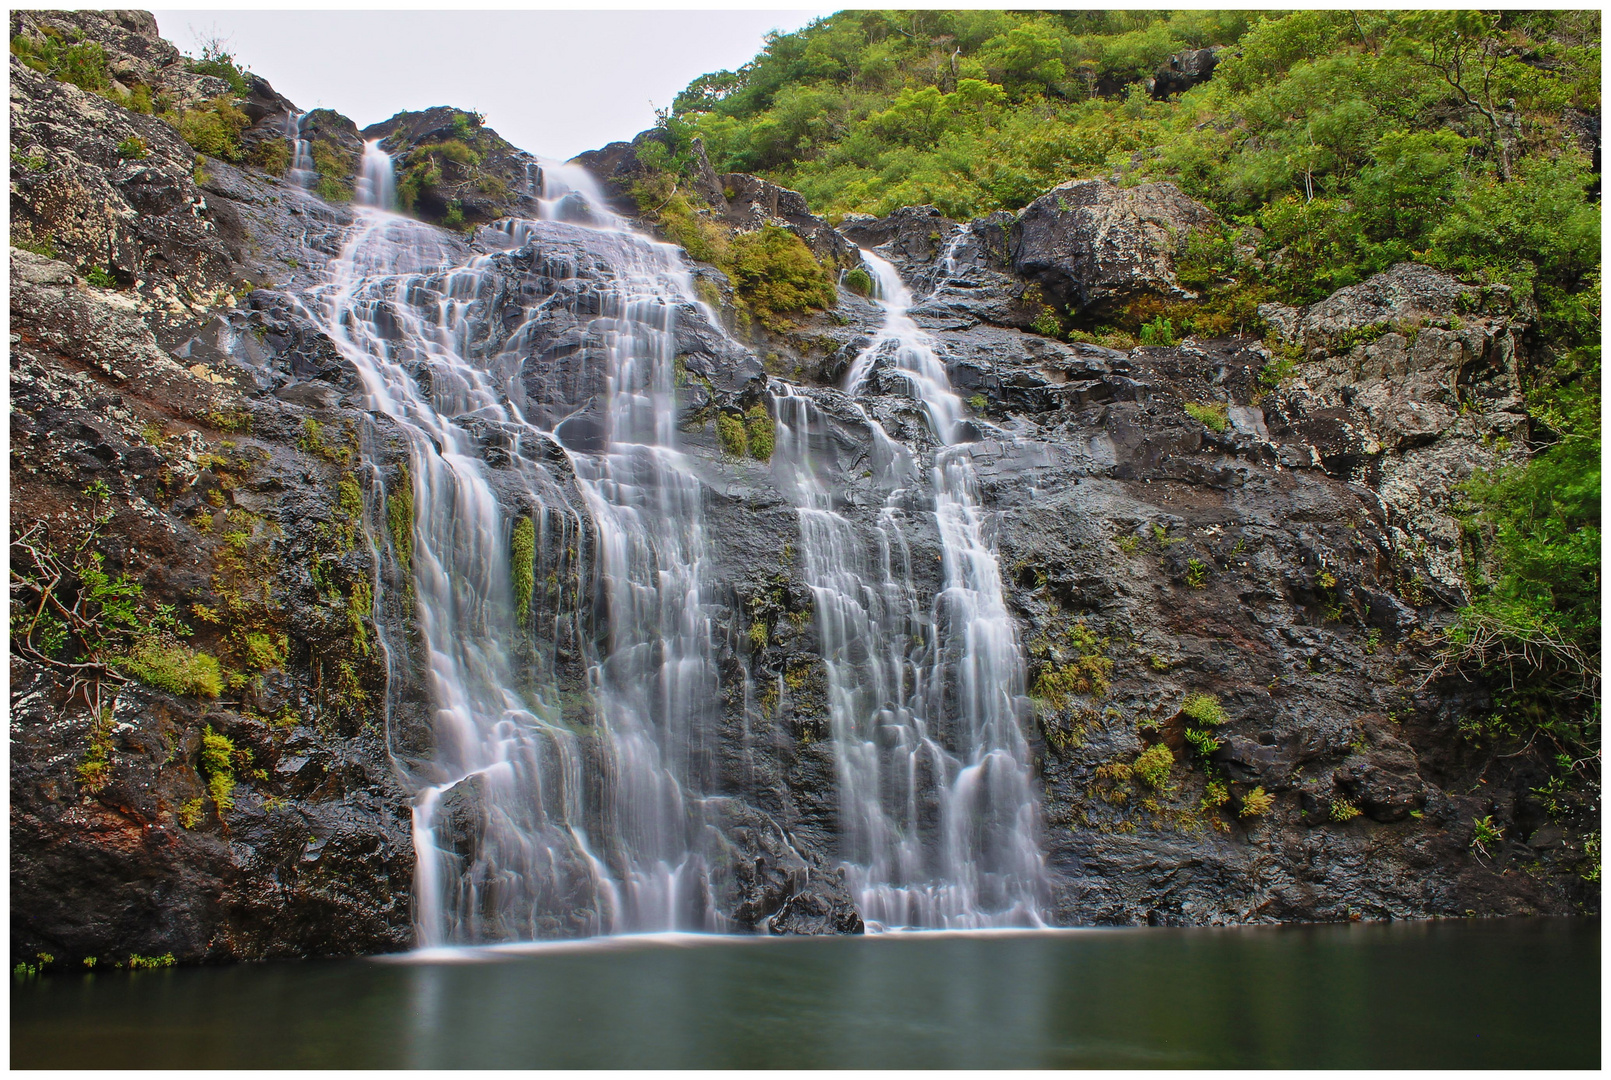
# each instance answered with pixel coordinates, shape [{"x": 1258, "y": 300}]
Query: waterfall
[
  {"x": 938, "y": 814},
  {"x": 302, "y": 172},
  {"x": 585, "y": 793},
  {"x": 377, "y": 181}
]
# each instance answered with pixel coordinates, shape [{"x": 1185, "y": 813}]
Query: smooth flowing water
[
  {"x": 939, "y": 820},
  {"x": 569, "y": 840},
  {"x": 1514, "y": 993}
]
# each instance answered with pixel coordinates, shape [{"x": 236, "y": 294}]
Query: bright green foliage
[
  {"x": 858, "y": 281},
  {"x": 100, "y": 278},
  {"x": 82, "y": 63},
  {"x": 1087, "y": 672},
  {"x": 400, "y": 519},
  {"x": 1201, "y": 741},
  {"x": 219, "y": 63},
  {"x": 218, "y": 766},
  {"x": 523, "y": 563},
  {"x": 1342, "y": 810},
  {"x": 133, "y": 148},
  {"x": 730, "y": 433},
  {"x": 758, "y": 432},
  {"x": 137, "y": 962},
  {"x": 1485, "y": 834},
  {"x": 214, "y": 130},
  {"x": 1256, "y": 803},
  {"x": 776, "y": 275},
  {"x": 1204, "y": 709},
  {"x": 1159, "y": 332},
  {"x": 1153, "y": 766},
  {"x": 96, "y": 767},
  {"x": 1211, "y": 415},
  {"x": 335, "y": 167},
  {"x": 1215, "y": 795},
  {"x": 175, "y": 668}
]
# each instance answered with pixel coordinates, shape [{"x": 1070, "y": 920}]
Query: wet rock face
[
  {"x": 1094, "y": 245},
  {"x": 1286, "y": 546}
]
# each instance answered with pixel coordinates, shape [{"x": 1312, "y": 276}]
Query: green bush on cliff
[
  {"x": 82, "y": 63},
  {"x": 777, "y": 276},
  {"x": 215, "y": 129}
]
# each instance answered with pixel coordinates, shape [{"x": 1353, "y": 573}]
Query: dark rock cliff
[{"x": 1285, "y": 547}]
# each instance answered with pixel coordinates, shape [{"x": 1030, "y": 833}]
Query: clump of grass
[
  {"x": 1257, "y": 803},
  {"x": 218, "y": 766},
  {"x": 175, "y": 668},
  {"x": 1205, "y": 709},
  {"x": 1153, "y": 766},
  {"x": 758, "y": 433},
  {"x": 858, "y": 281},
  {"x": 523, "y": 563},
  {"x": 731, "y": 434},
  {"x": 1213, "y": 416}
]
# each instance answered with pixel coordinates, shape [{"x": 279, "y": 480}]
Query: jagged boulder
[
  {"x": 1094, "y": 245},
  {"x": 1185, "y": 70},
  {"x": 453, "y": 170}
]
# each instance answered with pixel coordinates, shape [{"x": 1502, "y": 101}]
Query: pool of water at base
[{"x": 1511, "y": 993}]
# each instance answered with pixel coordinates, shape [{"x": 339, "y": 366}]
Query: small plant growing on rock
[
  {"x": 218, "y": 765},
  {"x": 1213, "y": 416},
  {"x": 1153, "y": 766},
  {"x": 758, "y": 433},
  {"x": 176, "y": 668},
  {"x": 1215, "y": 795},
  {"x": 1485, "y": 833},
  {"x": 730, "y": 433},
  {"x": 1196, "y": 573},
  {"x": 859, "y": 281},
  {"x": 132, "y": 148},
  {"x": 1160, "y": 332},
  {"x": 137, "y": 962},
  {"x": 1046, "y": 324},
  {"x": 978, "y": 403},
  {"x": 100, "y": 279},
  {"x": 1204, "y": 709},
  {"x": 523, "y": 564},
  {"x": 1256, "y": 803},
  {"x": 1343, "y": 810},
  {"x": 189, "y": 814}
]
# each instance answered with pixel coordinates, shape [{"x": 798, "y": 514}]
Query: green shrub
[
  {"x": 1257, "y": 803},
  {"x": 1201, "y": 741},
  {"x": 1212, "y": 415},
  {"x": 731, "y": 434},
  {"x": 523, "y": 563},
  {"x": 758, "y": 432},
  {"x": 83, "y": 64},
  {"x": 273, "y": 156},
  {"x": 335, "y": 168},
  {"x": 1196, "y": 573},
  {"x": 1204, "y": 709},
  {"x": 214, "y": 130},
  {"x": 100, "y": 278},
  {"x": 1159, "y": 332},
  {"x": 175, "y": 668},
  {"x": 859, "y": 281},
  {"x": 218, "y": 766},
  {"x": 132, "y": 147},
  {"x": 776, "y": 275},
  {"x": 1153, "y": 766},
  {"x": 1342, "y": 810},
  {"x": 220, "y": 64},
  {"x": 1215, "y": 795},
  {"x": 1485, "y": 834}
]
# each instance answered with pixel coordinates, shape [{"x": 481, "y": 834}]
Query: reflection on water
[{"x": 1511, "y": 993}]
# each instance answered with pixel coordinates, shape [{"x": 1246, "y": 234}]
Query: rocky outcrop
[
  {"x": 1185, "y": 70},
  {"x": 1095, "y": 246},
  {"x": 453, "y": 170}
]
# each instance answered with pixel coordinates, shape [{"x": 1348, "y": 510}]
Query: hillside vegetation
[{"x": 1332, "y": 145}]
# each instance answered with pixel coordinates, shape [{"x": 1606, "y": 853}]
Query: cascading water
[
  {"x": 938, "y": 814},
  {"x": 377, "y": 182},
  {"x": 587, "y": 803},
  {"x": 302, "y": 172}
]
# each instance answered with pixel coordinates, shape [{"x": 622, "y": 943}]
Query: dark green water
[{"x": 1521, "y": 993}]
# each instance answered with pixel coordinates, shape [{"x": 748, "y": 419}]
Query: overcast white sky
[{"x": 555, "y": 83}]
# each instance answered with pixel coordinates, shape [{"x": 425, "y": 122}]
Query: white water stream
[{"x": 571, "y": 788}]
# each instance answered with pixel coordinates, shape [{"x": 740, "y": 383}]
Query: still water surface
[{"x": 1519, "y": 993}]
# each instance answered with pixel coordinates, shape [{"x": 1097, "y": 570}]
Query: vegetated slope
[{"x": 1332, "y": 145}]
